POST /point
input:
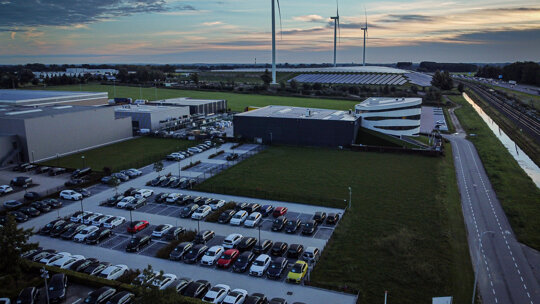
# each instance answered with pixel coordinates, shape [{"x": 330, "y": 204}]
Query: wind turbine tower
[
  {"x": 365, "y": 29},
  {"x": 336, "y": 29},
  {"x": 274, "y": 38}
]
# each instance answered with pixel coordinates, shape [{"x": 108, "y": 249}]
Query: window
[
  {"x": 413, "y": 117},
  {"x": 400, "y": 128}
]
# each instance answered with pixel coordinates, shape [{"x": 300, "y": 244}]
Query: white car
[
  {"x": 173, "y": 197},
  {"x": 67, "y": 261},
  {"x": 143, "y": 279},
  {"x": 175, "y": 156},
  {"x": 144, "y": 193},
  {"x": 216, "y": 294},
  {"x": 166, "y": 280},
  {"x": 201, "y": 212},
  {"x": 236, "y": 296},
  {"x": 160, "y": 230},
  {"x": 125, "y": 201},
  {"x": 5, "y": 189},
  {"x": 79, "y": 215},
  {"x": 113, "y": 272},
  {"x": 239, "y": 218},
  {"x": 86, "y": 232},
  {"x": 100, "y": 220},
  {"x": 134, "y": 172},
  {"x": 89, "y": 219},
  {"x": 216, "y": 204},
  {"x": 212, "y": 255},
  {"x": 253, "y": 220},
  {"x": 259, "y": 266},
  {"x": 114, "y": 222},
  {"x": 232, "y": 240},
  {"x": 195, "y": 150},
  {"x": 48, "y": 260},
  {"x": 71, "y": 195}
]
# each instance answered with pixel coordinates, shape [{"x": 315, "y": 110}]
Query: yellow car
[{"x": 298, "y": 272}]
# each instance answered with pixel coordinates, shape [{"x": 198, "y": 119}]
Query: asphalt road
[{"x": 504, "y": 273}]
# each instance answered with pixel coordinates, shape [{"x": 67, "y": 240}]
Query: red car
[
  {"x": 279, "y": 211},
  {"x": 137, "y": 226},
  {"x": 228, "y": 258}
]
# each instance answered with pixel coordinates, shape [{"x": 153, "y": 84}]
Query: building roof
[
  {"x": 299, "y": 113},
  {"x": 184, "y": 101},
  {"x": 381, "y": 103},
  {"x": 145, "y": 109},
  {"x": 21, "y": 112},
  {"x": 25, "y": 97}
]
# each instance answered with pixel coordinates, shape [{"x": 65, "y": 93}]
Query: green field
[
  {"x": 404, "y": 233},
  {"x": 134, "y": 153},
  {"x": 518, "y": 194},
  {"x": 237, "y": 102},
  {"x": 526, "y": 98}
]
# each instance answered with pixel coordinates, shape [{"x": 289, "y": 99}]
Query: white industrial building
[{"x": 392, "y": 116}]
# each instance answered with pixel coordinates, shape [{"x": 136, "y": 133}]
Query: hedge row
[{"x": 216, "y": 154}]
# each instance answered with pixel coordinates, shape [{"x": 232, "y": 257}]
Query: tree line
[{"x": 522, "y": 72}]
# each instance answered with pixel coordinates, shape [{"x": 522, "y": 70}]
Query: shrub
[{"x": 214, "y": 216}]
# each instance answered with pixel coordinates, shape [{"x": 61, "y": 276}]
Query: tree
[
  {"x": 293, "y": 84},
  {"x": 13, "y": 242},
  {"x": 115, "y": 182},
  {"x": 414, "y": 89},
  {"x": 442, "y": 80},
  {"x": 25, "y": 76},
  {"x": 317, "y": 86},
  {"x": 195, "y": 78},
  {"x": 158, "y": 167},
  {"x": 266, "y": 77},
  {"x": 460, "y": 87}
]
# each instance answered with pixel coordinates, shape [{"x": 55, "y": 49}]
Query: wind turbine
[
  {"x": 365, "y": 29},
  {"x": 336, "y": 29},
  {"x": 274, "y": 38}
]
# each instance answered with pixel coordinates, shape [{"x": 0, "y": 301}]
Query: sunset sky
[{"x": 238, "y": 31}]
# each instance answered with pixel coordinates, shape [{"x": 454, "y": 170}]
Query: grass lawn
[
  {"x": 526, "y": 98},
  {"x": 134, "y": 153},
  {"x": 237, "y": 102},
  {"x": 519, "y": 196},
  {"x": 404, "y": 233}
]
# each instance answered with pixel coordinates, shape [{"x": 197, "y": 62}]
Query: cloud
[
  {"x": 212, "y": 23},
  {"x": 303, "y": 31},
  {"x": 72, "y": 12},
  {"x": 406, "y": 18},
  {"x": 310, "y": 18}
]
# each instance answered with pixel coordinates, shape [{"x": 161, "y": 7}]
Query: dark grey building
[
  {"x": 297, "y": 126},
  {"x": 196, "y": 106},
  {"x": 152, "y": 117},
  {"x": 47, "y": 98}
]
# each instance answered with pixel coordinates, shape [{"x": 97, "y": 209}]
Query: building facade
[
  {"x": 196, "y": 106},
  {"x": 392, "y": 116},
  {"x": 46, "y": 98},
  {"x": 152, "y": 117}
]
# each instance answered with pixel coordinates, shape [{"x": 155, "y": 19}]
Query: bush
[
  {"x": 214, "y": 216},
  {"x": 216, "y": 154},
  {"x": 191, "y": 165},
  {"x": 164, "y": 252}
]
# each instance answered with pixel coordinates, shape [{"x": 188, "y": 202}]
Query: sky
[{"x": 239, "y": 31}]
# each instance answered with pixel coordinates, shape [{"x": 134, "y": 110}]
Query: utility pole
[{"x": 82, "y": 209}]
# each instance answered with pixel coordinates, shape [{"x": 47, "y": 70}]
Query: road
[{"x": 504, "y": 273}]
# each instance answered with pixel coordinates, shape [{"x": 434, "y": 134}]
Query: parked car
[
  {"x": 201, "y": 212},
  {"x": 107, "y": 180},
  {"x": 86, "y": 232},
  {"x": 297, "y": 272},
  {"x": 42, "y": 169},
  {"x": 216, "y": 294},
  {"x": 130, "y": 191},
  {"x": 160, "y": 230},
  {"x": 175, "y": 183},
  {"x": 19, "y": 216},
  {"x": 57, "y": 171},
  {"x": 266, "y": 210},
  {"x": 253, "y": 220},
  {"x": 99, "y": 236},
  {"x": 80, "y": 265},
  {"x": 295, "y": 250},
  {"x": 12, "y": 204},
  {"x": 204, "y": 236},
  {"x": 21, "y": 181},
  {"x": 74, "y": 182},
  {"x": 81, "y": 172},
  {"x": 100, "y": 295},
  {"x": 5, "y": 189},
  {"x": 137, "y": 226},
  {"x": 279, "y": 223},
  {"x": 236, "y": 296},
  {"x": 73, "y": 231},
  {"x": 31, "y": 196},
  {"x": 263, "y": 246},
  {"x": 71, "y": 195},
  {"x": 319, "y": 217},
  {"x": 292, "y": 225},
  {"x": 135, "y": 204},
  {"x": 212, "y": 255},
  {"x": 20, "y": 167},
  {"x": 138, "y": 242},
  {"x": 226, "y": 216},
  {"x": 132, "y": 173},
  {"x": 50, "y": 226},
  {"x": 156, "y": 181},
  {"x": 114, "y": 222},
  {"x": 29, "y": 295},
  {"x": 30, "y": 211},
  {"x": 276, "y": 268},
  {"x": 67, "y": 261},
  {"x": 243, "y": 261},
  {"x": 78, "y": 216},
  {"x": 256, "y": 298},
  {"x": 280, "y": 211},
  {"x": 57, "y": 287},
  {"x": 144, "y": 193},
  {"x": 85, "y": 192},
  {"x": 309, "y": 227},
  {"x": 232, "y": 240},
  {"x": 228, "y": 258},
  {"x": 181, "y": 284},
  {"x": 161, "y": 197},
  {"x": 90, "y": 218},
  {"x": 246, "y": 243},
  {"x": 239, "y": 218},
  {"x": 311, "y": 254},
  {"x": 41, "y": 206},
  {"x": 162, "y": 282},
  {"x": 113, "y": 272},
  {"x": 120, "y": 176},
  {"x": 125, "y": 201},
  {"x": 216, "y": 204},
  {"x": 98, "y": 221},
  {"x": 196, "y": 289},
  {"x": 240, "y": 206},
  {"x": 253, "y": 207},
  {"x": 188, "y": 210},
  {"x": 279, "y": 248},
  {"x": 194, "y": 253},
  {"x": 260, "y": 265},
  {"x": 173, "y": 233},
  {"x": 54, "y": 203},
  {"x": 96, "y": 268},
  {"x": 60, "y": 229},
  {"x": 122, "y": 297},
  {"x": 332, "y": 218},
  {"x": 180, "y": 250}
]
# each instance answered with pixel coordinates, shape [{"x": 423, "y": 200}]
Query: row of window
[
  {"x": 396, "y": 128},
  {"x": 413, "y": 117},
  {"x": 389, "y": 110}
]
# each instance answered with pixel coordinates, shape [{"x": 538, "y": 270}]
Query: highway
[{"x": 504, "y": 273}]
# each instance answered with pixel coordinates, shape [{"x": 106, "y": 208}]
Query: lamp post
[
  {"x": 82, "y": 209},
  {"x": 130, "y": 220},
  {"x": 45, "y": 276},
  {"x": 198, "y": 227},
  {"x": 179, "y": 168},
  {"x": 260, "y": 234},
  {"x": 83, "y": 161},
  {"x": 350, "y": 197},
  {"x": 478, "y": 263}
]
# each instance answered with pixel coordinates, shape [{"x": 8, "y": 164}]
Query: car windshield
[
  {"x": 308, "y": 225},
  {"x": 134, "y": 241},
  {"x": 290, "y": 223},
  {"x": 277, "y": 221},
  {"x": 90, "y": 299},
  {"x": 210, "y": 253},
  {"x": 226, "y": 256},
  {"x": 297, "y": 268},
  {"x": 186, "y": 209},
  {"x": 258, "y": 263},
  {"x": 274, "y": 265}
]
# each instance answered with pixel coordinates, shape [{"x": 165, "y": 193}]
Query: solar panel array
[
  {"x": 376, "y": 79},
  {"x": 419, "y": 79}
]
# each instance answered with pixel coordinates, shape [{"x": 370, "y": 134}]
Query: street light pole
[
  {"x": 478, "y": 263},
  {"x": 45, "y": 276},
  {"x": 83, "y": 161},
  {"x": 259, "y": 234},
  {"x": 350, "y": 197},
  {"x": 198, "y": 227},
  {"x": 82, "y": 209}
]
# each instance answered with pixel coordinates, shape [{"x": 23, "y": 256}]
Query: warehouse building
[
  {"x": 297, "y": 126},
  {"x": 196, "y": 106},
  {"x": 152, "y": 117},
  {"x": 47, "y": 98},
  {"x": 392, "y": 116},
  {"x": 38, "y": 133}
]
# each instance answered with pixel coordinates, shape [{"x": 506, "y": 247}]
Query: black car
[
  {"x": 195, "y": 253},
  {"x": 292, "y": 225},
  {"x": 81, "y": 265},
  {"x": 232, "y": 157},
  {"x": 136, "y": 204},
  {"x": 175, "y": 183},
  {"x": 276, "y": 268},
  {"x": 74, "y": 182},
  {"x": 179, "y": 251},
  {"x": 266, "y": 210},
  {"x": 278, "y": 301},
  {"x": 319, "y": 217},
  {"x": 54, "y": 203},
  {"x": 130, "y": 192},
  {"x": 263, "y": 246},
  {"x": 72, "y": 231},
  {"x": 112, "y": 201},
  {"x": 30, "y": 211},
  {"x": 174, "y": 233},
  {"x": 256, "y": 298},
  {"x": 57, "y": 171},
  {"x": 155, "y": 182},
  {"x": 138, "y": 242},
  {"x": 85, "y": 192},
  {"x": 96, "y": 268},
  {"x": 226, "y": 216},
  {"x": 295, "y": 250},
  {"x": 81, "y": 172},
  {"x": 58, "y": 230},
  {"x": 100, "y": 295},
  {"x": 204, "y": 236},
  {"x": 120, "y": 176},
  {"x": 309, "y": 227},
  {"x": 41, "y": 206},
  {"x": 240, "y": 206},
  {"x": 31, "y": 196},
  {"x": 21, "y": 181},
  {"x": 188, "y": 210},
  {"x": 123, "y": 297},
  {"x": 246, "y": 243},
  {"x": 279, "y": 223},
  {"x": 20, "y": 167},
  {"x": 50, "y": 226},
  {"x": 332, "y": 218},
  {"x": 197, "y": 289},
  {"x": 42, "y": 169},
  {"x": 99, "y": 236},
  {"x": 29, "y": 295},
  {"x": 181, "y": 284},
  {"x": 57, "y": 287},
  {"x": 243, "y": 261},
  {"x": 19, "y": 216},
  {"x": 279, "y": 248},
  {"x": 166, "y": 182},
  {"x": 160, "y": 198},
  {"x": 254, "y": 207}
]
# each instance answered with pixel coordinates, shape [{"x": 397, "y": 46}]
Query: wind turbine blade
[
  {"x": 339, "y": 31},
  {"x": 280, "y": 26},
  {"x": 365, "y": 13},
  {"x": 337, "y": 8}
]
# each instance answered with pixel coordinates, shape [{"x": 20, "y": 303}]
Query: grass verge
[
  {"x": 515, "y": 190},
  {"x": 405, "y": 228}
]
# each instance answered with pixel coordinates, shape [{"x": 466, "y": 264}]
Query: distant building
[
  {"x": 392, "y": 116},
  {"x": 46, "y": 98},
  {"x": 297, "y": 126},
  {"x": 152, "y": 117},
  {"x": 196, "y": 106}
]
